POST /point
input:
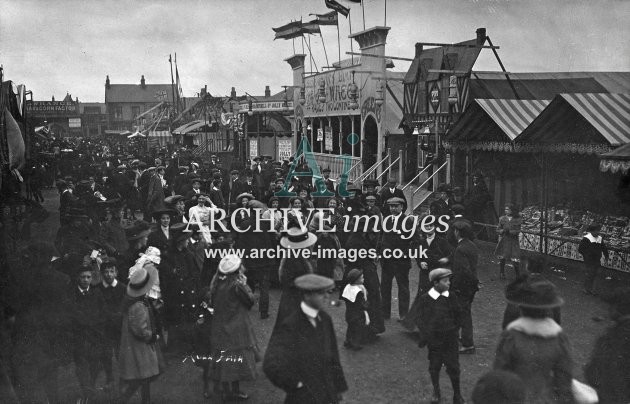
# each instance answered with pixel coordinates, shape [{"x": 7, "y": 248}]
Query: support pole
[
  {"x": 324, "y": 46},
  {"x": 401, "y": 164},
  {"x": 507, "y": 76}
]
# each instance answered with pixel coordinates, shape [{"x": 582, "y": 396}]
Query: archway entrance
[{"x": 370, "y": 142}]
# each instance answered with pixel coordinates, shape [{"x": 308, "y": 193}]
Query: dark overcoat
[{"x": 297, "y": 352}]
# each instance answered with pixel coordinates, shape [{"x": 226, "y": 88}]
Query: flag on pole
[
  {"x": 331, "y": 18},
  {"x": 333, "y": 5},
  {"x": 311, "y": 27},
  {"x": 288, "y": 31}
]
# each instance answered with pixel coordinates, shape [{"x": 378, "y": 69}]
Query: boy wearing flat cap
[
  {"x": 439, "y": 322},
  {"x": 302, "y": 357}
]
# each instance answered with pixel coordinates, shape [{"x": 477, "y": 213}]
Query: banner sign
[
  {"x": 74, "y": 122},
  {"x": 336, "y": 93},
  {"x": 253, "y": 148},
  {"x": 243, "y": 108},
  {"x": 57, "y": 108},
  {"x": 328, "y": 144},
  {"x": 285, "y": 149},
  {"x": 452, "y": 90}
]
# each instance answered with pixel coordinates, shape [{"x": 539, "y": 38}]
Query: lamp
[
  {"x": 416, "y": 131},
  {"x": 249, "y": 111},
  {"x": 426, "y": 130},
  {"x": 378, "y": 99},
  {"x": 302, "y": 99},
  {"x": 353, "y": 93}
]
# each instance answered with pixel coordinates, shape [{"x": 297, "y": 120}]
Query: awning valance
[{"x": 617, "y": 160}]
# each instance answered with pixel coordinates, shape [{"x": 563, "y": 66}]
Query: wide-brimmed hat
[
  {"x": 298, "y": 238},
  {"x": 138, "y": 230},
  {"x": 533, "y": 293},
  {"x": 395, "y": 201},
  {"x": 370, "y": 198},
  {"x": 157, "y": 214},
  {"x": 182, "y": 235},
  {"x": 354, "y": 275},
  {"x": 255, "y": 204},
  {"x": 172, "y": 200},
  {"x": 230, "y": 263},
  {"x": 244, "y": 195},
  {"x": 594, "y": 227},
  {"x": 140, "y": 282}
]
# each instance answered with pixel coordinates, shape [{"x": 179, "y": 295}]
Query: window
[
  {"x": 135, "y": 111},
  {"x": 118, "y": 112}
]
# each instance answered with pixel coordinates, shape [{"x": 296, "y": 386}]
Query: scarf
[{"x": 350, "y": 292}]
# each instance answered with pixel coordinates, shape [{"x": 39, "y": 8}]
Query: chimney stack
[
  {"x": 202, "y": 92},
  {"x": 107, "y": 81},
  {"x": 481, "y": 36},
  {"x": 53, "y": 98},
  {"x": 419, "y": 48},
  {"x": 267, "y": 91},
  {"x": 233, "y": 93},
  {"x": 142, "y": 84}
]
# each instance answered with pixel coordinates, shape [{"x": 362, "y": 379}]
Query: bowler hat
[
  {"x": 140, "y": 282},
  {"x": 354, "y": 275},
  {"x": 314, "y": 283},
  {"x": 157, "y": 214},
  {"x": 172, "y": 200},
  {"x": 533, "y": 293},
  {"x": 298, "y": 238},
  {"x": 439, "y": 273}
]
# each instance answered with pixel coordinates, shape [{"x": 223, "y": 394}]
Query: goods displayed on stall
[{"x": 565, "y": 229}]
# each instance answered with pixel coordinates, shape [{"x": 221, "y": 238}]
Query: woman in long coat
[
  {"x": 140, "y": 360},
  {"x": 534, "y": 347},
  {"x": 232, "y": 338},
  {"x": 292, "y": 267},
  {"x": 508, "y": 248}
]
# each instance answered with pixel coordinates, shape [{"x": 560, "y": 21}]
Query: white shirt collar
[
  {"x": 83, "y": 291},
  {"x": 392, "y": 190},
  {"x": 435, "y": 294},
  {"x": 113, "y": 285},
  {"x": 308, "y": 310},
  {"x": 593, "y": 239}
]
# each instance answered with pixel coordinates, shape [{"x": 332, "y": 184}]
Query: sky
[{"x": 69, "y": 46}]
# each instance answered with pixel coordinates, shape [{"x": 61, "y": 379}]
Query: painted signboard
[
  {"x": 253, "y": 148},
  {"x": 335, "y": 85},
  {"x": 52, "y": 108},
  {"x": 285, "y": 149}
]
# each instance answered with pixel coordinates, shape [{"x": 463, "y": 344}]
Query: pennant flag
[
  {"x": 288, "y": 31},
  {"x": 311, "y": 27},
  {"x": 327, "y": 19},
  {"x": 333, "y": 5}
]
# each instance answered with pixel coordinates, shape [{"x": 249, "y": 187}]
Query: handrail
[
  {"x": 370, "y": 170},
  {"x": 416, "y": 177},
  {"x": 431, "y": 176},
  {"x": 387, "y": 169}
]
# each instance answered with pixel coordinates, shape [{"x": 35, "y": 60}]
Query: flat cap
[
  {"x": 370, "y": 198},
  {"x": 354, "y": 275},
  {"x": 395, "y": 201},
  {"x": 314, "y": 283},
  {"x": 234, "y": 172},
  {"x": 439, "y": 273}
]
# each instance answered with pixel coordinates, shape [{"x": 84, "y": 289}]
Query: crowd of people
[{"x": 129, "y": 276}]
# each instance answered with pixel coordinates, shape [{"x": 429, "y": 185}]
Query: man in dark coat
[
  {"x": 593, "y": 249},
  {"x": 465, "y": 282},
  {"x": 395, "y": 238},
  {"x": 477, "y": 198},
  {"x": 607, "y": 370},
  {"x": 231, "y": 189},
  {"x": 113, "y": 293},
  {"x": 302, "y": 357},
  {"x": 87, "y": 310},
  {"x": 155, "y": 194},
  {"x": 442, "y": 206},
  {"x": 390, "y": 191}
]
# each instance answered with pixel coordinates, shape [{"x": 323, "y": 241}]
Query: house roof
[
  {"x": 582, "y": 118},
  {"x": 129, "y": 93},
  {"x": 458, "y": 58}
]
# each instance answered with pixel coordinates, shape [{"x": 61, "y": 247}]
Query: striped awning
[
  {"x": 496, "y": 120},
  {"x": 582, "y": 118},
  {"x": 608, "y": 113},
  {"x": 513, "y": 116}
]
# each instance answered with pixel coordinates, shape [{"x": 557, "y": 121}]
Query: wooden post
[
  {"x": 401, "y": 164},
  {"x": 340, "y": 135}
]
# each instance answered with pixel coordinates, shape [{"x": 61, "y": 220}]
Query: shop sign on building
[
  {"x": 74, "y": 122},
  {"x": 328, "y": 144},
  {"x": 253, "y": 148},
  {"x": 285, "y": 149},
  {"x": 335, "y": 84},
  {"x": 52, "y": 108},
  {"x": 452, "y": 90},
  {"x": 266, "y": 106},
  {"x": 435, "y": 97}
]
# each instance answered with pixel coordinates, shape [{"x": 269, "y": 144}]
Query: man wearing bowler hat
[
  {"x": 302, "y": 357},
  {"x": 395, "y": 241}
]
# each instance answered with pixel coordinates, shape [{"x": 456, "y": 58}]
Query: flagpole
[
  {"x": 293, "y": 40},
  {"x": 351, "y": 47},
  {"x": 311, "y": 53},
  {"x": 303, "y": 46},
  {"x": 385, "y": 23},
  {"x": 324, "y": 45},
  {"x": 170, "y": 60},
  {"x": 177, "y": 84},
  {"x": 338, "y": 40},
  {"x": 363, "y": 10}
]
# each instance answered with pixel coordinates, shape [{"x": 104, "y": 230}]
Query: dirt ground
[{"x": 394, "y": 369}]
